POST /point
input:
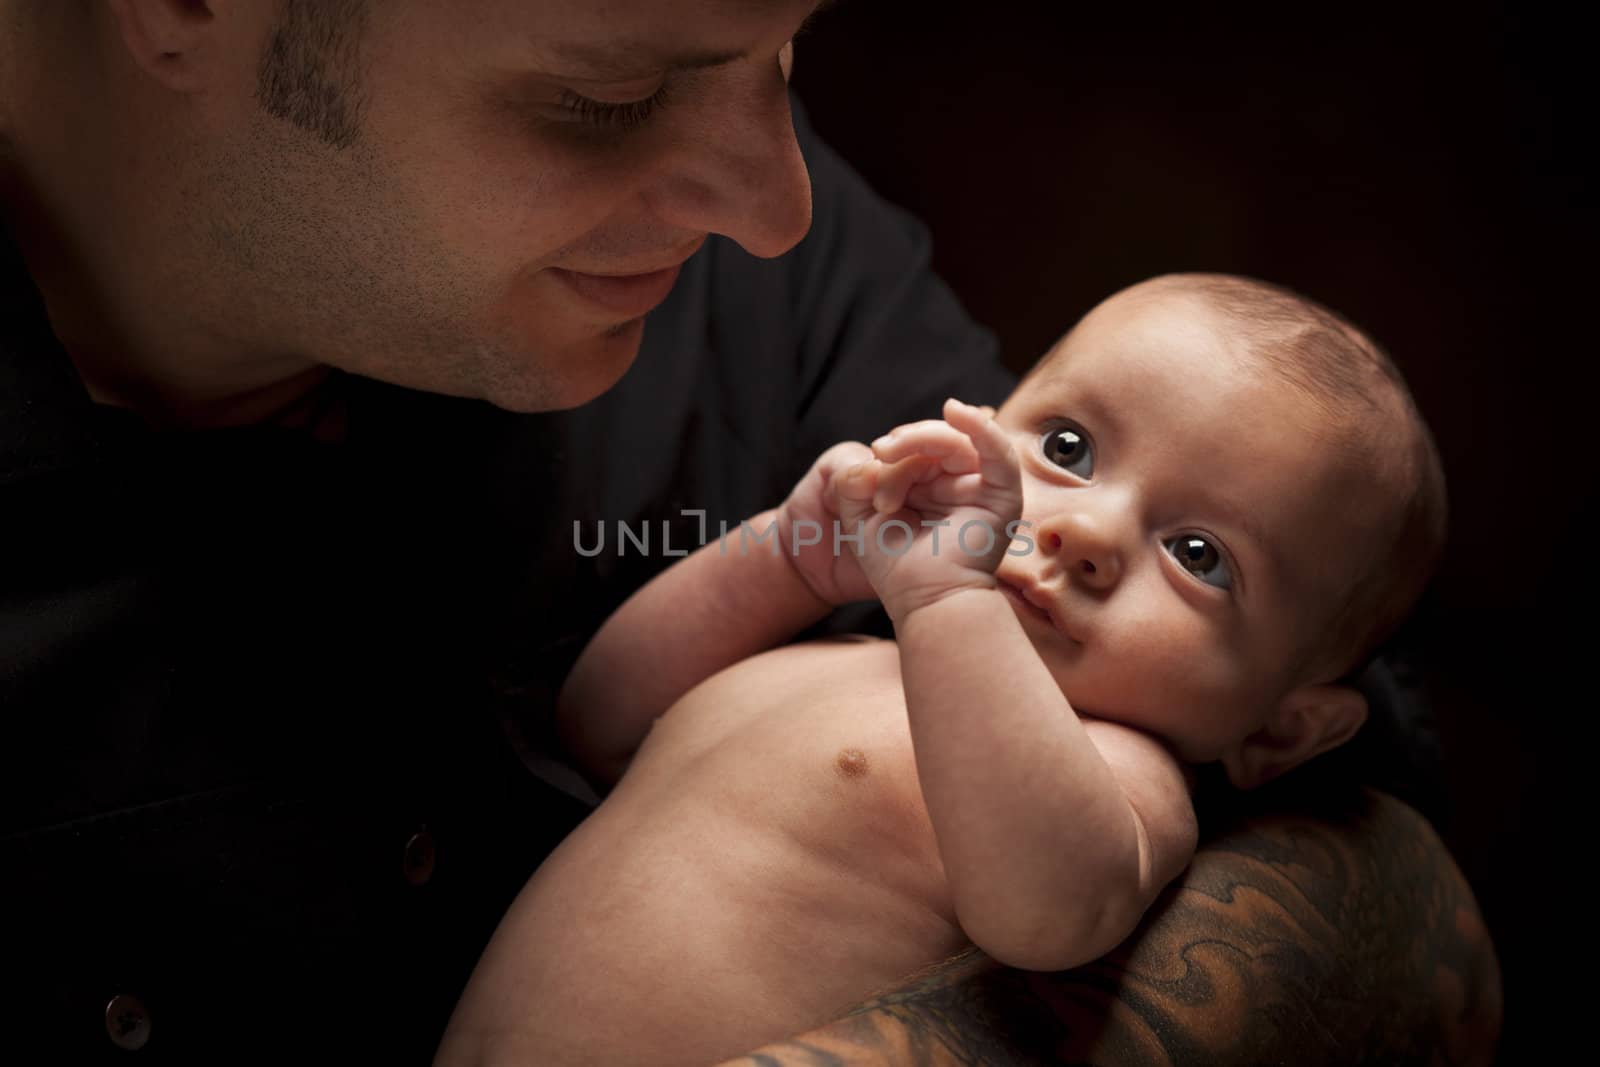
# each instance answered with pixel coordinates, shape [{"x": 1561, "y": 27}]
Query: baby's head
[{"x": 1232, "y": 500}]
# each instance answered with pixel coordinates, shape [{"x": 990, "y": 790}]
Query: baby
[{"x": 1202, "y": 509}]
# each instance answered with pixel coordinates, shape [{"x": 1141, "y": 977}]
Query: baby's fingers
[
  {"x": 842, "y": 456},
  {"x": 895, "y": 480},
  {"x": 997, "y": 459},
  {"x": 936, "y": 438},
  {"x": 945, "y": 494},
  {"x": 857, "y": 483}
]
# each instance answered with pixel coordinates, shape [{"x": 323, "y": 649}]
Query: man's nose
[
  {"x": 736, "y": 170},
  {"x": 1086, "y": 545}
]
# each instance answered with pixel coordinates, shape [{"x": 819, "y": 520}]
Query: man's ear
[
  {"x": 1310, "y": 720},
  {"x": 168, "y": 39}
]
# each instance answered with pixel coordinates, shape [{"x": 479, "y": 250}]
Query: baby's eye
[
  {"x": 1069, "y": 449},
  {"x": 1202, "y": 559}
]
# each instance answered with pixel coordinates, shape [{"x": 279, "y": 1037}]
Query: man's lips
[
  {"x": 629, "y": 289},
  {"x": 628, "y": 295}
]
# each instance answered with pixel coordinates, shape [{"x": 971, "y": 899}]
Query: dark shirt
[{"x": 263, "y": 695}]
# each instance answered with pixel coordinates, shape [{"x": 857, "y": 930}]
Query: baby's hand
[
  {"x": 806, "y": 523},
  {"x": 936, "y": 503}
]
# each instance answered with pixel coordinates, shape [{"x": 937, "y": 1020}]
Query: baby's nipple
[{"x": 851, "y": 763}]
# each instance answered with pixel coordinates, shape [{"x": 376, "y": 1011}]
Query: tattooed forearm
[{"x": 1334, "y": 931}]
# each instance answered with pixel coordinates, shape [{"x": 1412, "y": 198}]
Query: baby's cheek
[{"x": 1156, "y": 680}]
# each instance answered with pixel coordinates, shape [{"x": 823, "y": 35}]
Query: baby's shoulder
[
  {"x": 825, "y": 662},
  {"x": 839, "y": 651},
  {"x": 845, "y": 639},
  {"x": 1133, "y": 752}
]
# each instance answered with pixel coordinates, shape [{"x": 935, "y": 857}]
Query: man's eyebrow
[{"x": 628, "y": 59}]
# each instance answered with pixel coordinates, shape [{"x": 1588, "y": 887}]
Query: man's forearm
[
  {"x": 1331, "y": 935},
  {"x": 723, "y": 603}
]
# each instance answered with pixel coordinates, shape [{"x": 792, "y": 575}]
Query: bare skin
[
  {"x": 740, "y": 879},
  {"x": 1300, "y": 934},
  {"x": 1299, "y": 929},
  {"x": 784, "y": 791}
]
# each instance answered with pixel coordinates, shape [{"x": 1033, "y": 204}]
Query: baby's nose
[{"x": 1084, "y": 547}]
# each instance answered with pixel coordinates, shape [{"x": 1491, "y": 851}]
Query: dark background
[{"x": 1411, "y": 169}]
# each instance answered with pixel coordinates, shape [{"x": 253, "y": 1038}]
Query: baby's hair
[{"x": 1355, "y": 383}]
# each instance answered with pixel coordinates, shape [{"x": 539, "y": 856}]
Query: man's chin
[{"x": 580, "y": 373}]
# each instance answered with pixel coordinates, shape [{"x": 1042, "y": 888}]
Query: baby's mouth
[
  {"x": 1026, "y": 603},
  {"x": 1019, "y": 600}
]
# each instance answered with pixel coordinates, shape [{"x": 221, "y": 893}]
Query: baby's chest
[
  {"x": 810, "y": 742},
  {"x": 834, "y": 708}
]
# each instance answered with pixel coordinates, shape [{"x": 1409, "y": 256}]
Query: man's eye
[
  {"x": 606, "y": 115},
  {"x": 1202, "y": 559},
  {"x": 1069, "y": 449}
]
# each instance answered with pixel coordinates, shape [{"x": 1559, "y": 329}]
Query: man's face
[
  {"x": 1185, "y": 508},
  {"x": 526, "y": 179}
]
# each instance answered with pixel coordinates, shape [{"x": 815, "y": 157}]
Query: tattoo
[{"x": 1310, "y": 929}]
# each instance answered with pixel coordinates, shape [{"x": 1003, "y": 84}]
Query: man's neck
[
  {"x": 287, "y": 402},
  {"x": 173, "y": 374},
  {"x": 148, "y": 321}
]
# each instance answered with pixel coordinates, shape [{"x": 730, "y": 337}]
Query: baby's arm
[
  {"x": 719, "y": 605},
  {"x": 1039, "y": 814}
]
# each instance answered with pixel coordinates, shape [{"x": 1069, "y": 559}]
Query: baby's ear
[{"x": 1310, "y": 720}]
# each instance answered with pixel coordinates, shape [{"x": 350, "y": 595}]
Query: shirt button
[
  {"x": 128, "y": 1022},
  {"x": 417, "y": 864}
]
